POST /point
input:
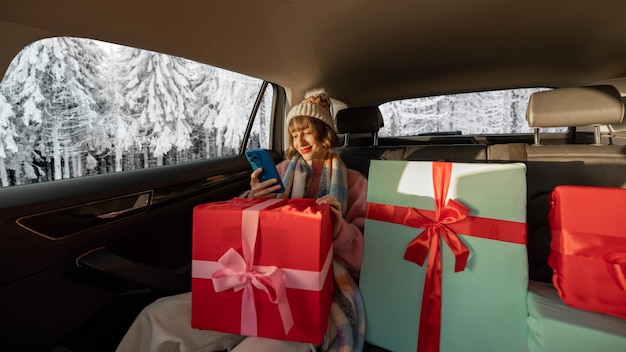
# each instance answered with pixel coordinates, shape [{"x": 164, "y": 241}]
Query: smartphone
[{"x": 262, "y": 158}]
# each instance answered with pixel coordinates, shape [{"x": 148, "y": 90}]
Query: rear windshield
[{"x": 491, "y": 112}]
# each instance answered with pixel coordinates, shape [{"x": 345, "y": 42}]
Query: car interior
[{"x": 81, "y": 257}]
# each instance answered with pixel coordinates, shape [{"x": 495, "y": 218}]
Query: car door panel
[
  {"x": 72, "y": 248},
  {"x": 63, "y": 223}
]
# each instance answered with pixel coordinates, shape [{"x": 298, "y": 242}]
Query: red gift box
[
  {"x": 262, "y": 267},
  {"x": 588, "y": 248}
]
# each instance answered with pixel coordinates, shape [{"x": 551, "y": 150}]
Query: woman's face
[{"x": 305, "y": 143}]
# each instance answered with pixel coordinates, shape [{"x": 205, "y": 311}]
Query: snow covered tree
[
  {"x": 206, "y": 109},
  {"x": 97, "y": 139},
  {"x": 121, "y": 127},
  {"x": 7, "y": 138},
  {"x": 236, "y": 94},
  {"x": 51, "y": 86},
  {"x": 415, "y": 116},
  {"x": 70, "y": 109},
  {"x": 260, "y": 134},
  {"x": 157, "y": 90},
  {"x": 225, "y": 101},
  {"x": 23, "y": 88}
]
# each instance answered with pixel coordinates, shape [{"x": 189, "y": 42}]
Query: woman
[{"x": 312, "y": 169}]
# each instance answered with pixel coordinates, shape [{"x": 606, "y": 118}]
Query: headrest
[
  {"x": 575, "y": 106},
  {"x": 619, "y": 127},
  {"x": 362, "y": 119}
]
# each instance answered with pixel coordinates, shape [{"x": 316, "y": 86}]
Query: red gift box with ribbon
[
  {"x": 262, "y": 267},
  {"x": 588, "y": 248}
]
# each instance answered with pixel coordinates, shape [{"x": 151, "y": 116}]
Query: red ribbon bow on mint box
[{"x": 447, "y": 221}]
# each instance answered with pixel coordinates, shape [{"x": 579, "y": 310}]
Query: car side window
[
  {"x": 72, "y": 107},
  {"x": 491, "y": 112}
]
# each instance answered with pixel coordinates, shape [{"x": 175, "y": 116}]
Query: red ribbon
[
  {"x": 608, "y": 248},
  {"x": 448, "y": 219},
  {"x": 616, "y": 265}
]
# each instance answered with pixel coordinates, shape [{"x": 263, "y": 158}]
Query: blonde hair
[{"x": 322, "y": 132}]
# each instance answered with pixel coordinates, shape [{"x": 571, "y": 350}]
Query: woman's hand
[
  {"x": 262, "y": 189},
  {"x": 335, "y": 208}
]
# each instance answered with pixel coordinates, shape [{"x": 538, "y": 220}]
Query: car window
[
  {"x": 492, "y": 112},
  {"x": 73, "y": 107}
]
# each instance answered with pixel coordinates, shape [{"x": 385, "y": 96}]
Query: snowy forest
[
  {"x": 73, "y": 107},
  {"x": 492, "y": 112}
]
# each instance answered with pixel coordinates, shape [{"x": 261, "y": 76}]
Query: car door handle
[
  {"x": 81, "y": 218},
  {"x": 103, "y": 261},
  {"x": 142, "y": 201}
]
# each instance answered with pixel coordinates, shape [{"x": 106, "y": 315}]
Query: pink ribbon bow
[{"x": 239, "y": 273}]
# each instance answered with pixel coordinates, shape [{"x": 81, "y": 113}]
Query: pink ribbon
[{"x": 238, "y": 272}]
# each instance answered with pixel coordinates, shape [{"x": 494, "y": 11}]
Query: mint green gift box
[
  {"x": 484, "y": 306},
  {"x": 557, "y": 327}
]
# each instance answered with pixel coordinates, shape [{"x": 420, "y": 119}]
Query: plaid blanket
[{"x": 346, "y": 322}]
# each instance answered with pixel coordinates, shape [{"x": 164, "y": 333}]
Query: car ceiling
[{"x": 363, "y": 52}]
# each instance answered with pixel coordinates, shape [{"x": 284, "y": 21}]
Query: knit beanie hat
[{"x": 316, "y": 104}]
